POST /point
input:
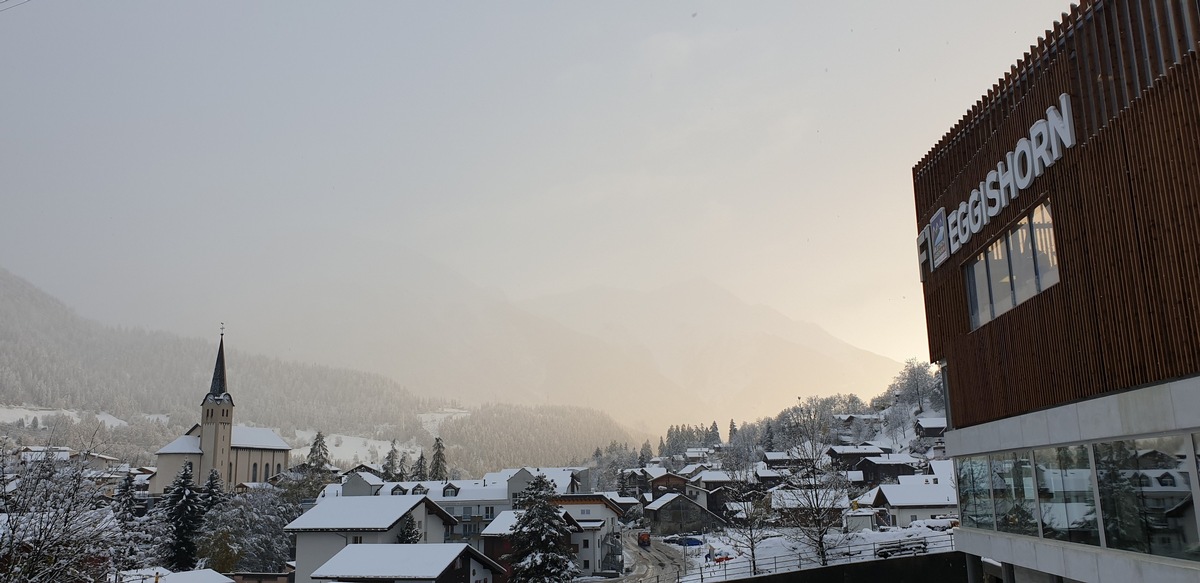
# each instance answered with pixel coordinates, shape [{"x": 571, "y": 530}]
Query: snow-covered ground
[
  {"x": 432, "y": 422},
  {"x": 344, "y": 448},
  {"x": 14, "y": 413}
]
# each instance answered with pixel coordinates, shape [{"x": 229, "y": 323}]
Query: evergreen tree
[
  {"x": 732, "y": 430},
  {"x": 437, "y": 465},
  {"x": 246, "y": 532},
  {"x": 714, "y": 434},
  {"x": 662, "y": 447},
  {"x": 318, "y": 453},
  {"x": 419, "y": 473},
  {"x": 409, "y": 534},
  {"x": 768, "y": 437},
  {"x": 646, "y": 453},
  {"x": 623, "y": 484},
  {"x": 402, "y": 468},
  {"x": 540, "y": 551},
  {"x": 180, "y": 512},
  {"x": 212, "y": 493},
  {"x": 130, "y": 546},
  {"x": 391, "y": 464}
]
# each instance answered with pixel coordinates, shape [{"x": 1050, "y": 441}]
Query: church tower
[{"x": 216, "y": 426}]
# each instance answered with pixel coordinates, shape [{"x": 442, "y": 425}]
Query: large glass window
[
  {"x": 1015, "y": 493},
  {"x": 1145, "y": 496},
  {"x": 1017, "y": 266},
  {"x": 1065, "y": 494},
  {"x": 975, "y": 492},
  {"x": 1043, "y": 240},
  {"x": 999, "y": 279},
  {"x": 1020, "y": 248}
]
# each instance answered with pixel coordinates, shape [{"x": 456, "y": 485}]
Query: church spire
[{"x": 218, "y": 383}]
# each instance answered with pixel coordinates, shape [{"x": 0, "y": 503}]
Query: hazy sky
[{"x": 153, "y": 153}]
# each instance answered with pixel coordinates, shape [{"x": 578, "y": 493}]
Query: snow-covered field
[
  {"x": 344, "y": 448},
  {"x": 432, "y": 422},
  {"x": 14, "y": 413}
]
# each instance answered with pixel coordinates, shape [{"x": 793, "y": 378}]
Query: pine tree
[
  {"x": 437, "y": 466},
  {"x": 732, "y": 430},
  {"x": 409, "y": 534},
  {"x": 402, "y": 468},
  {"x": 318, "y": 453},
  {"x": 714, "y": 434},
  {"x": 180, "y": 512},
  {"x": 419, "y": 472},
  {"x": 646, "y": 453},
  {"x": 768, "y": 437},
  {"x": 662, "y": 447},
  {"x": 246, "y": 532},
  {"x": 212, "y": 493},
  {"x": 391, "y": 464},
  {"x": 540, "y": 551}
]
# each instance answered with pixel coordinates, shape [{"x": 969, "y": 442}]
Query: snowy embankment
[
  {"x": 720, "y": 558},
  {"x": 13, "y": 414}
]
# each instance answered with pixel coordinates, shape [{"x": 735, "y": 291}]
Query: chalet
[
  {"x": 796, "y": 506},
  {"x": 667, "y": 483},
  {"x": 886, "y": 468},
  {"x": 598, "y": 541},
  {"x": 367, "y": 520},
  {"x": 933, "y": 427},
  {"x": 915, "y": 498},
  {"x": 674, "y": 513},
  {"x": 432, "y": 563},
  {"x": 846, "y": 456}
]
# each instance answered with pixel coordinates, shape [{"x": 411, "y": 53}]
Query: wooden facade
[{"x": 1126, "y": 211}]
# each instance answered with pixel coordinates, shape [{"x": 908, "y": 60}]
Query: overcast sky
[{"x": 153, "y": 152}]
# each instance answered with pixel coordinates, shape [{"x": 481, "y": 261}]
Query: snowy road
[{"x": 660, "y": 563}]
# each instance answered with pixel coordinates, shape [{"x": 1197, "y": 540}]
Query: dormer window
[
  {"x": 420, "y": 490},
  {"x": 1166, "y": 480},
  {"x": 399, "y": 491},
  {"x": 450, "y": 491}
]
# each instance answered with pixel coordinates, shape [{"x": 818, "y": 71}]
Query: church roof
[
  {"x": 257, "y": 438},
  {"x": 243, "y": 437},
  {"x": 184, "y": 444}
]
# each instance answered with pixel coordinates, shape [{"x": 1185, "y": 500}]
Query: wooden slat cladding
[{"x": 1126, "y": 209}]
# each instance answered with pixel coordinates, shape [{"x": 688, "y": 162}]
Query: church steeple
[{"x": 218, "y": 382}]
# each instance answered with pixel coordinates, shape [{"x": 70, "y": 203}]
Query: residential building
[
  {"x": 238, "y": 453},
  {"x": 339, "y": 521},
  {"x": 674, "y": 513},
  {"x": 914, "y": 498},
  {"x": 886, "y": 468},
  {"x": 1058, "y": 243},
  {"x": 432, "y": 563}
]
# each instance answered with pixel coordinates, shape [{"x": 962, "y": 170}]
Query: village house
[
  {"x": 432, "y": 563},
  {"x": 674, "y": 513},
  {"x": 914, "y": 498},
  {"x": 340, "y": 521},
  {"x": 886, "y": 468},
  {"x": 497, "y": 538}
]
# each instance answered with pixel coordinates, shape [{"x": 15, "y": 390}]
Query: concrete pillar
[
  {"x": 974, "y": 569},
  {"x": 1010, "y": 573}
]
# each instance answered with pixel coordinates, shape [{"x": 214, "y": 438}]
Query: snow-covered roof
[
  {"x": 467, "y": 489},
  {"x": 423, "y": 561},
  {"x": 932, "y": 422},
  {"x": 365, "y": 513},
  {"x": 654, "y": 473},
  {"x": 662, "y": 501},
  {"x": 369, "y": 478},
  {"x": 918, "y": 494},
  {"x": 197, "y": 576},
  {"x": 713, "y": 476},
  {"x": 809, "y": 498},
  {"x": 617, "y": 498},
  {"x": 591, "y": 524},
  {"x": 865, "y": 416},
  {"x": 943, "y": 469},
  {"x": 854, "y": 475},
  {"x": 257, "y": 438},
  {"x": 189, "y": 444},
  {"x": 502, "y": 524},
  {"x": 855, "y": 450},
  {"x": 892, "y": 459}
]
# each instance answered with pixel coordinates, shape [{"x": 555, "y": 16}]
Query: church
[{"x": 241, "y": 454}]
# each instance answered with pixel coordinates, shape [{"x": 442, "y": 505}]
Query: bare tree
[
  {"x": 817, "y": 493},
  {"x": 749, "y": 524},
  {"x": 57, "y": 526}
]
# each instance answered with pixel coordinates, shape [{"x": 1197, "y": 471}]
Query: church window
[{"x": 254, "y": 472}]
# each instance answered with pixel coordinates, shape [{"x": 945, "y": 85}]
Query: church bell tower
[{"x": 216, "y": 426}]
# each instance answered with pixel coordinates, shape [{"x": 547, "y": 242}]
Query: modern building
[
  {"x": 1059, "y": 242},
  {"x": 242, "y": 455}
]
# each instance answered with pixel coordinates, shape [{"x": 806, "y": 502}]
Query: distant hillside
[
  {"x": 51, "y": 357},
  {"x": 741, "y": 359}
]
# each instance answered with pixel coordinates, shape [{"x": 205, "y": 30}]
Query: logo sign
[{"x": 949, "y": 230}]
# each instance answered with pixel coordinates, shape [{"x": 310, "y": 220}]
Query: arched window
[
  {"x": 278, "y": 469},
  {"x": 254, "y": 472}
]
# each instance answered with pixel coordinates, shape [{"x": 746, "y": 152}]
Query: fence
[{"x": 840, "y": 555}]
